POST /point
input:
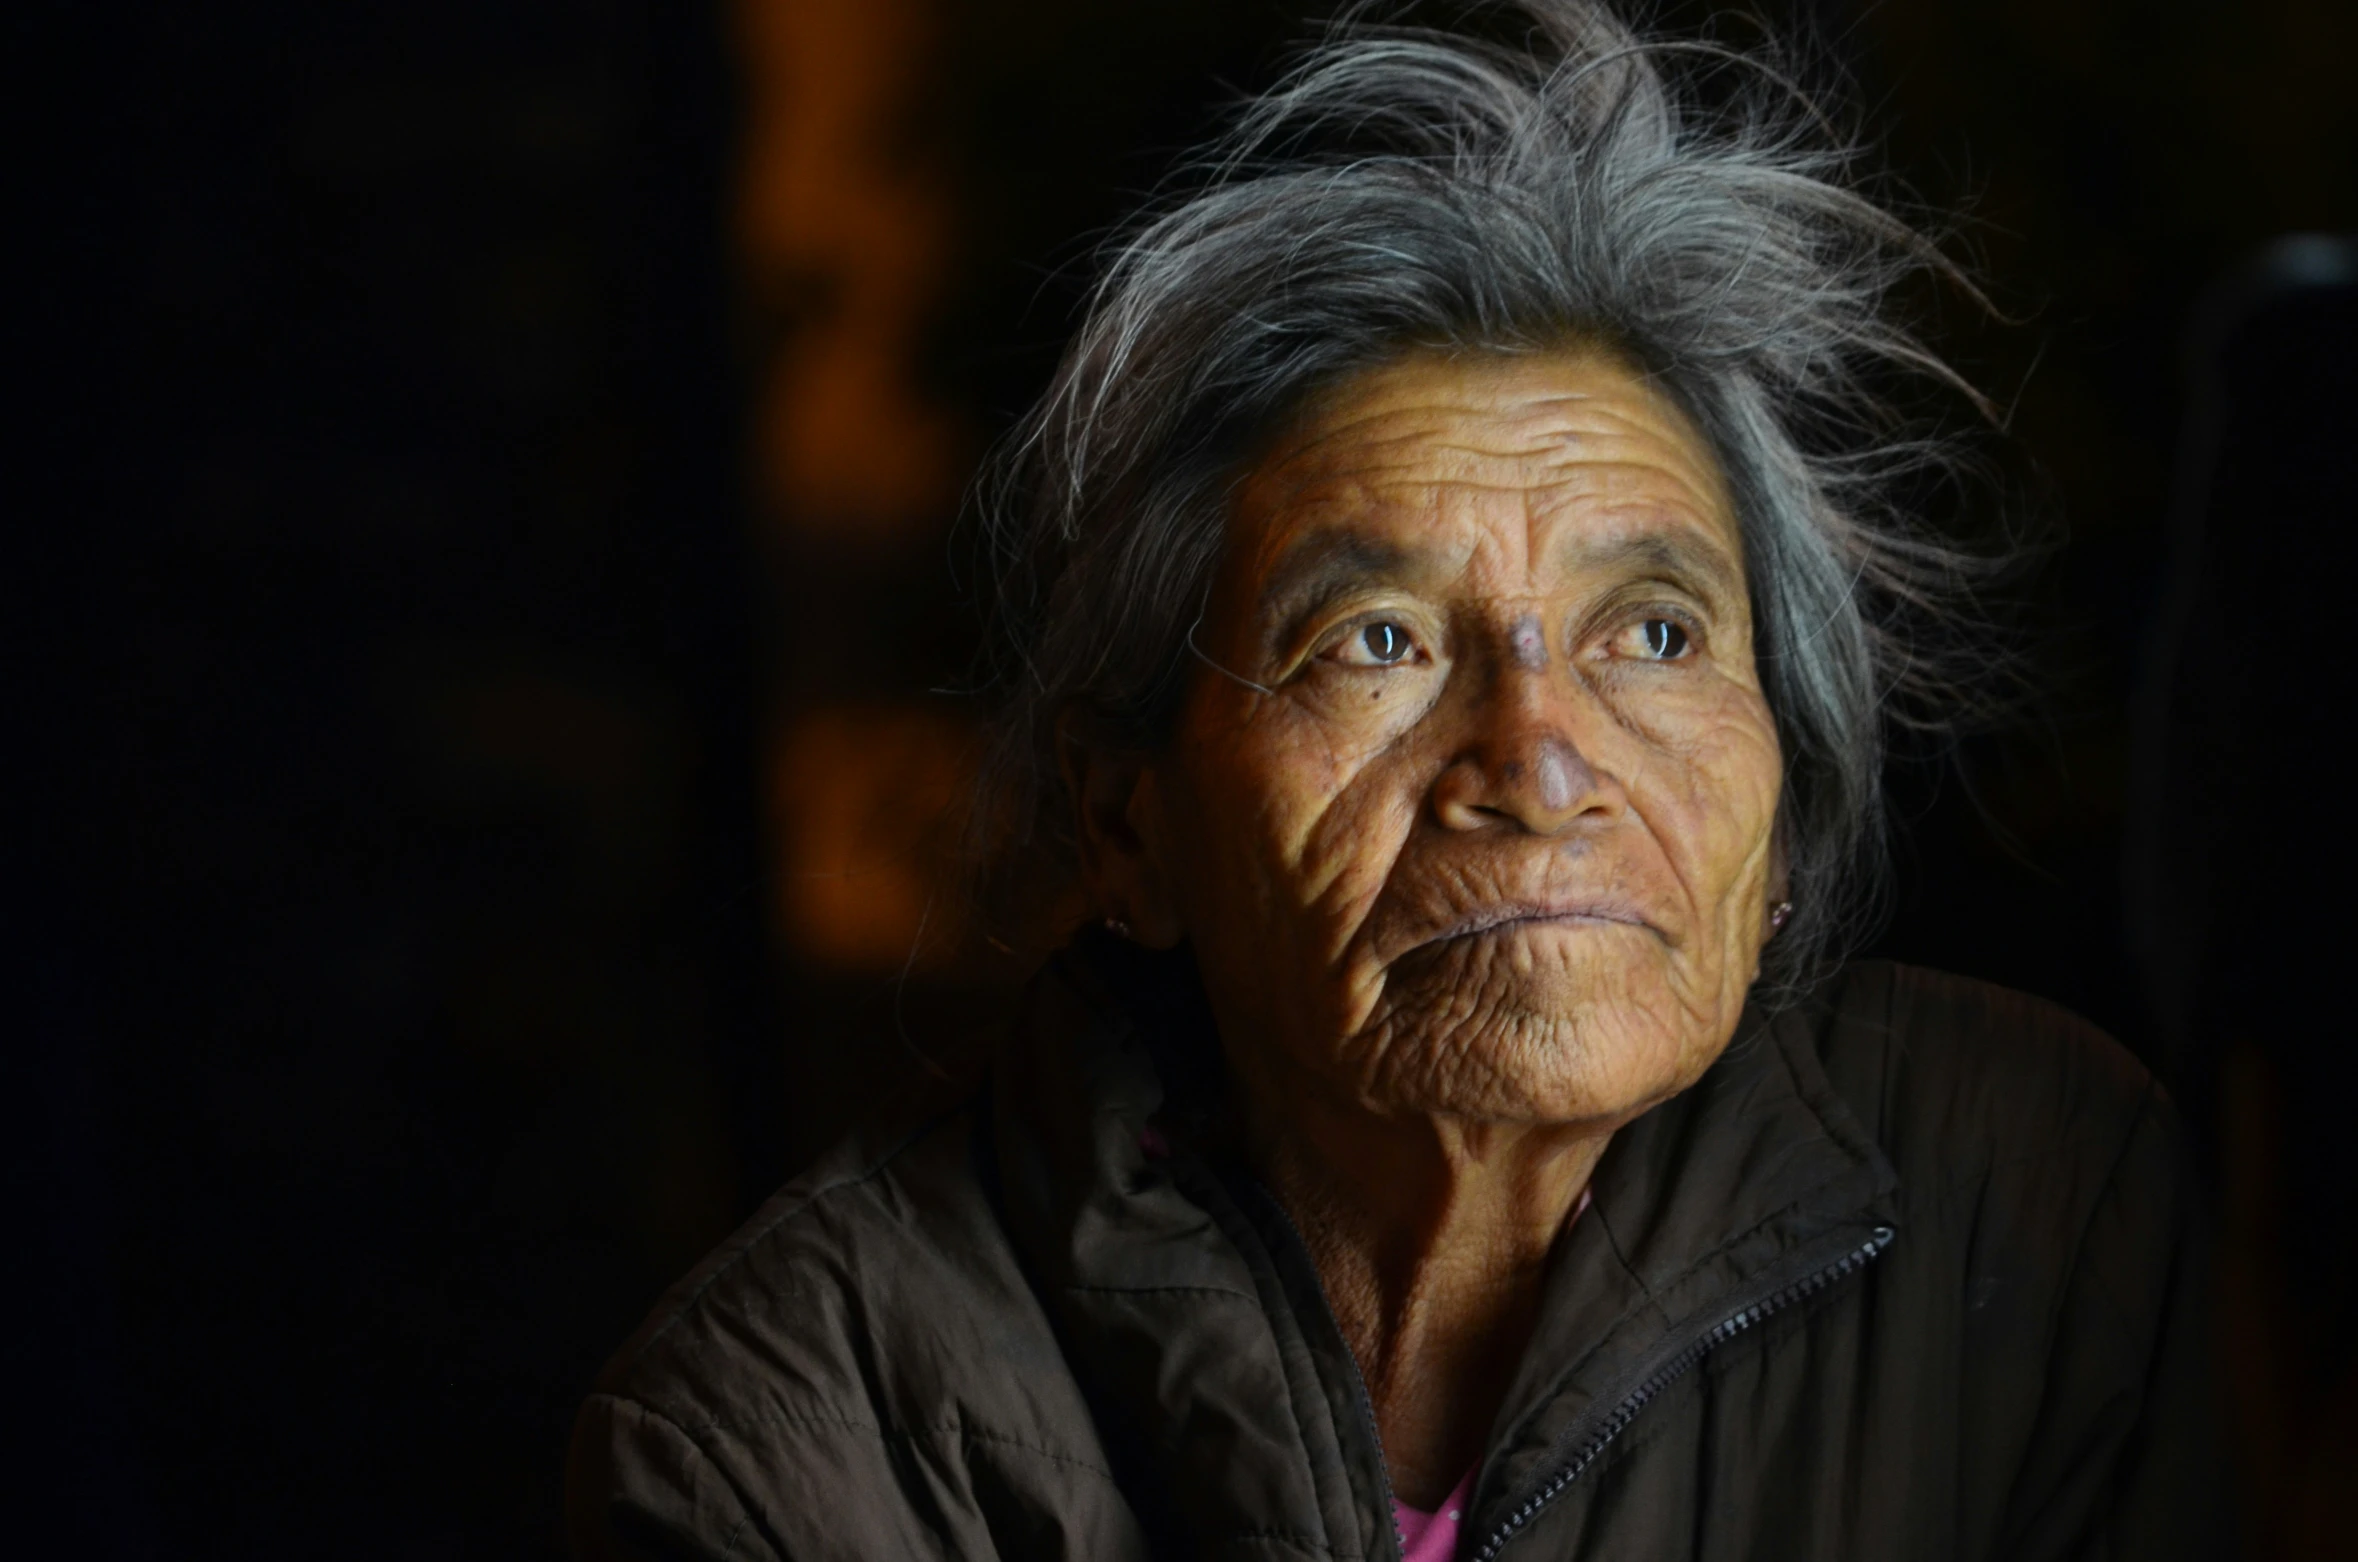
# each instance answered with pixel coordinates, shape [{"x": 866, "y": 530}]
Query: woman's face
[{"x": 1496, "y": 841}]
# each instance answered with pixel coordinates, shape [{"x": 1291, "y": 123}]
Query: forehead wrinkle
[
  {"x": 1421, "y": 470},
  {"x": 1404, "y": 460},
  {"x": 1424, "y": 427},
  {"x": 1470, "y": 396}
]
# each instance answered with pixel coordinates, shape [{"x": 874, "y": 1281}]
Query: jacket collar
[{"x": 1195, "y": 1318}]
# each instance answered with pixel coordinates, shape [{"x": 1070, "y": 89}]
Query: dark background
[{"x": 484, "y": 573}]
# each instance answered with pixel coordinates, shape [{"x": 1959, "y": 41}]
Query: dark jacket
[{"x": 1908, "y": 1275}]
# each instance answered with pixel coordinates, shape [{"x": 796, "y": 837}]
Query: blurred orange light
[
  {"x": 866, "y": 802},
  {"x": 843, "y": 222}
]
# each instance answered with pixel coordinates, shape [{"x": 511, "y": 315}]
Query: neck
[{"x": 1431, "y": 1235}]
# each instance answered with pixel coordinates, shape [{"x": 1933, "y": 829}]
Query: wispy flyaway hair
[{"x": 1679, "y": 204}]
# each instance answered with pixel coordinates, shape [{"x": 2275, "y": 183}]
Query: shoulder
[
  {"x": 872, "y": 1320},
  {"x": 2033, "y": 1151},
  {"x": 1955, "y": 1076},
  {"x": 2052, "y": 1247},
  {"x": 852, "y": 1296}
]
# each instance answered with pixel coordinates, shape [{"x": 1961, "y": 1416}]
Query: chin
[{"x": 1549, "y": 1024}]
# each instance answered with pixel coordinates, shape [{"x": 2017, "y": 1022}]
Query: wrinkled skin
[{"x": 1470, "y": 822}]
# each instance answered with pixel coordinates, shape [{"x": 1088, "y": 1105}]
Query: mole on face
[{"x": 1528, "y": 642}]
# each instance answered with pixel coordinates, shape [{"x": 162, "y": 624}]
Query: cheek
[
  {"x": 1300, "y": 811},
  {"x": 1346, "y": 855},
  {"x": 1714, "y": 793}
]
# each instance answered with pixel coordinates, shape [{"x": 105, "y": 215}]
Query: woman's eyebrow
[
  {"x": 1324, "y": 564},
  {"x": 1674, "y": 553}
]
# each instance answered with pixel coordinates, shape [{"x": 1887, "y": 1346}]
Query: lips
[{"x": 1569, "y": 910}]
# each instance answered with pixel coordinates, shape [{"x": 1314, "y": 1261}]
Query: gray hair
[{"x": 1401, "y": 190}]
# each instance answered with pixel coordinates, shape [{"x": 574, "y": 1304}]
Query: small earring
[
  {"x": 1780, "y": 914},
  {"x": 1117, "y": 927}
]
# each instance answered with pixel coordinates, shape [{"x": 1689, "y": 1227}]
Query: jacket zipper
[
  {"x": 1670, "y": 1372},
  {"x": 1367, "y": 1420},
  {"x": 1359, "y": 1394}
]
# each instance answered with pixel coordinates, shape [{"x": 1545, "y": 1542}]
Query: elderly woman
[{"x": 1457, "y": 583}]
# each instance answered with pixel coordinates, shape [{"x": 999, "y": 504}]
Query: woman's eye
[
  {"x": 1663, "y": 640},
  {"x": 1379, "y": 645}
]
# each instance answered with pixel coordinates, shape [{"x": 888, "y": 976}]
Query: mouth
[{"x": 1583, "y": 911}]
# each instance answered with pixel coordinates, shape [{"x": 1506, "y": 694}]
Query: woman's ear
[{"x": 1119, "y": 824}]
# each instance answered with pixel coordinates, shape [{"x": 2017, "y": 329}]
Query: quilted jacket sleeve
[
  {"x": 2126, "y": 1459},
  {"x": 642, "y": 1491}
]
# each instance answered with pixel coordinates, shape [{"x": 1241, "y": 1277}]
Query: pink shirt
[{"x": 1432, "y": 1537}]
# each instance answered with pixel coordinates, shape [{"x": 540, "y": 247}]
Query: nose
[{"x": 1520, "y": 766}]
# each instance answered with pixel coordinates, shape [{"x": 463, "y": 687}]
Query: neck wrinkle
[{"x": 1431, "y": 1244}]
